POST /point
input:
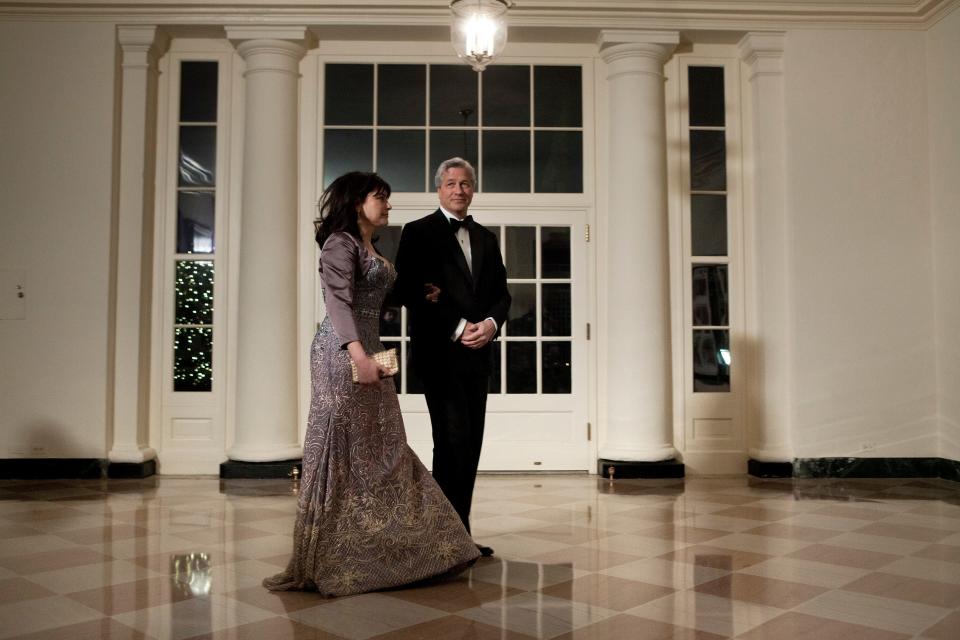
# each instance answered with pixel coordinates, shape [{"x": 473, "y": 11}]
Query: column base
[
  {"x": 760, "y": 469},
  {"x": 132, "y": 469},
  {"x": 671, "y": 468},
  {"x": 264, "y": 453},
  {"x": 261, "y": 470},
  {"x": 134, "y": 454}
]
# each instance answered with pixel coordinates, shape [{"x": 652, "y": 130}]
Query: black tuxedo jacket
[{"x": 429, "y": 253}]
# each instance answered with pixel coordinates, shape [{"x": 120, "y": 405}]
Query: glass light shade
[{"x": 479, "y": 30}]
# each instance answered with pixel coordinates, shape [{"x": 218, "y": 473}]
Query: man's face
[{"x": 456, "y": 191}]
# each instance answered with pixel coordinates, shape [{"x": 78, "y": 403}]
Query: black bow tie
[{"x": 466, "y": 223}]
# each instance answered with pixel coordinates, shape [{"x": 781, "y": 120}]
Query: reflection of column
[
  {"x": 266, "y": 411},
  {"x": 129, "y": 454},
  {"x": 638, "y": 295},
  {"x": 770, "y": 317}
]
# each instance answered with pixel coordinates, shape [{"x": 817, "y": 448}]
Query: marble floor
[{"x": 577, "y": 557}]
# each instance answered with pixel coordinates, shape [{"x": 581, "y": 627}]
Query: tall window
[
  {"x": 710, "y": 261},
  {"x": 521, "y": 126},
  {"x": 195, "y": 234}
]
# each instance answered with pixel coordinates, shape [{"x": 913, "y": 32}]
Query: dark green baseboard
[
  {"x": 73, "y": 469},
  {"x": 51, "y": 468},
  {"x": 264, "y": 470},
  {"x": 132, "y": 469},
  {"x": 630, "y": 469},
  {"x": 760, "y": 469},
  {"x": 877, "y": 468}
]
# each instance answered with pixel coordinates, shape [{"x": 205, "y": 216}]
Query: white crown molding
[{"x": 730, "y": 15}]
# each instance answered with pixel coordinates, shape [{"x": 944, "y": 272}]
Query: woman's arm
[{"x": 338, "y": 268}]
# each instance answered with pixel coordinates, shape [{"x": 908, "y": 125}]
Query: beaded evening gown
[{"x": 369, "y": 514}]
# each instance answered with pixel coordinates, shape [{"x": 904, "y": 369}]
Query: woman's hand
[
  {"x": 432, "y": 292},
  {"x": 369, "y": 371}
]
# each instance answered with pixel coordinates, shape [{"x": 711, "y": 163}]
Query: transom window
[{"x": 521, "y": 126}]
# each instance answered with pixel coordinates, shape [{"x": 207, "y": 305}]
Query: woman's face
[{"x": 375, "y": 210}]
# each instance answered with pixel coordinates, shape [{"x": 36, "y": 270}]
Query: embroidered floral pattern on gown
[{"x": 369, "y": 514}]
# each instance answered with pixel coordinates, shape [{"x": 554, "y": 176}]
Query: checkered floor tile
[{"x": 577, "y": 558}]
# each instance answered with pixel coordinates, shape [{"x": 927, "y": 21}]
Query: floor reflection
[
  {"x": 578, "y": 558},
  {"x": 191, "y": 573}
]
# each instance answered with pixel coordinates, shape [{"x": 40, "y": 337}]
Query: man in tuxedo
[{"x": 450, "y": 336}]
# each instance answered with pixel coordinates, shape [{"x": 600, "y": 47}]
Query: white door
[{"x": 537, "y": 407}]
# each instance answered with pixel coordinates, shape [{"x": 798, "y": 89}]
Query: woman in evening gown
[{"x": 369, "y": 514}]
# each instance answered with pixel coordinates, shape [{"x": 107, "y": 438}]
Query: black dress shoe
[{"x": 485, "y": 552}]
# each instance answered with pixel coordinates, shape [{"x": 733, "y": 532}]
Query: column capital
[
  {"x": 763, "y": 51},
  {"x": 239, "y": 34},
  {"x": 615, "y": 44},
  {"x": 139, "y": 44}
]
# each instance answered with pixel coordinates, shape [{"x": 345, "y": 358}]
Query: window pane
[
  {"x": 708, "y": 224},
  {"x": 400, "y": 159},
  {"x": 198, "y": 91},
  {"x": 506, "y": 96},
  {"x": 558, "y": 162},
  {"x": 556, "y": 367},
  {"x": 556, "y": 312},
  {"x": 386, "y": 241},
  {"x": 453, "y": 95},
  {"x": 522, "y": 318},
  {"x": 390, "y": 320},
  {"x": 450, "y": 144},
  {"x": 401, "y": 94},
  {"x": 348, "y": 94},
  {"x": 706, "y": 96},
  {"x": 521, "y": 252},
  {"x": 708, "y": 161},
  {"x": 193, "y": 292},
  {"x": 198, "y": 156},
  {"x": 710, "y": 295},
  {"x": 506, "y": 161},
  {"x": 557, "y": 97},
  {"x": 521, "y": 367},
  {"x": 711, "y": 360},
  {"x": 346, "y": 150},
  {"x": 494, "y": 383},
  {"x": 555, "y": 252},
  {"x": 195, "y": 221},
  {"x": 192, "y": 358}
]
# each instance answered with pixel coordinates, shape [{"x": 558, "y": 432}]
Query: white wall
[
  {"x": 857, "y": 196},
  {"x": 943, "y": 81},
  {"x": 862, "y": 182},
  {"x": 57, "y": 82}
]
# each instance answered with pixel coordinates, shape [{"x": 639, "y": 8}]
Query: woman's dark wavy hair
[{"x": 338, "y": 204}]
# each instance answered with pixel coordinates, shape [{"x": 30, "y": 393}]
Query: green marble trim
[{"x": 877, "y": 468}]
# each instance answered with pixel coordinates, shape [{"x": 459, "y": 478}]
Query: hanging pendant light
[{"x": 479, "y": 30}]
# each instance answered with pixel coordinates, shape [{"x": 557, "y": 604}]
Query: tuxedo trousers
[{"x": 457, "y": 404}]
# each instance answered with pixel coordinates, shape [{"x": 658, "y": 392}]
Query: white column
[
  {"x": 266, "y": 410},
  {"x": 139, "y": 48},
  {"x": 769, "y": 319},
  {"x": 638, "y": 360}
]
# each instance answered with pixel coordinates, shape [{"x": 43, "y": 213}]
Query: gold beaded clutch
[{"x": 386, "y": 359}]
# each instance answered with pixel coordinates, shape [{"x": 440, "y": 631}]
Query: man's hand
[{"x": 478, "y": 335}]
